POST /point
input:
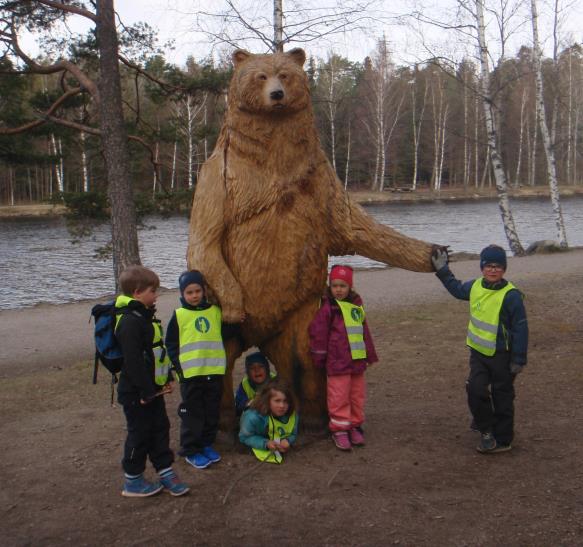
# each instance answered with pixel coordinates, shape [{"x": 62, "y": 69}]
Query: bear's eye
[
  {"x": 283, "y": 76},
  {"x": 262, "y": 77}
]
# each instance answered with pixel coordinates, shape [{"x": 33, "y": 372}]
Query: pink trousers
[{"x": 346, "y": 396}]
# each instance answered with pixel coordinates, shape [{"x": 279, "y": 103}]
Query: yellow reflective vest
[
  {"x": 276, "y": 432},
  {"x": 200, "y": 342},
  {"x": 161, "y": 359},
  {"x": 485, "y": 306},
  {"x": 249, "y": 391},
  {"x": 353, "y": 317}
]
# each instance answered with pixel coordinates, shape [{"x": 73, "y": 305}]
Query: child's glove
[
  {"x": 439, "y": 259},
  {"x": 515, "y": 369}
]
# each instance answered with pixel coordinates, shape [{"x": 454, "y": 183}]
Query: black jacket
[{"x": 135, "y": 335}]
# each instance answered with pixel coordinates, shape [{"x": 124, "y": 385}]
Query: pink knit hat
[{"x": 344, "y": 273}]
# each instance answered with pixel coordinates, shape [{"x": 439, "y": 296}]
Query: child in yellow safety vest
[
  {"x": 194, "y": 341},
  {"x": 341, "y": 343},
  {"x": 497, "y": 336},
  {"x": 270, "y": 425},
  {"x": 144, "y": 380},
  {"x": 257, "y": 374}
]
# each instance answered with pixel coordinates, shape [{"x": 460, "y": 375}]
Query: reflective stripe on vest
[
  {"x": 485, "y": 306},
  {"x": 161, "y": 359},
  {"x": 353, "y": 320},
  {"x": 276, "y": 432},
  {"x": 246, "y": 384},
  {"x": 201, "y": 347}
]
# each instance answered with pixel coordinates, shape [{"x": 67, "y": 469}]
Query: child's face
[
  {"x": 146, "y": 296},
  {"x": 193, "y": 294},
  {"x": 257, "y": 373},
  {"x": 339, "y": 289},
  {"x": 493, "y": 273},
  {"x": 278, "y": 405}
]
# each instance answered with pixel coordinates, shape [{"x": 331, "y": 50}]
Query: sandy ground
[{"x": 419, "y": 480}]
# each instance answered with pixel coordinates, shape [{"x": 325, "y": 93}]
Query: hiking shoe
[
  {"x": 211, "y": 454},
  {"x": 487, "y": 443},
  {"x": 341, "y": 440},
  {"x": 140, "y": 488},
  {"x": 172, "y": 484},
  {"x": 356, "y": 437},
  {"x": 198, "y": 460}
]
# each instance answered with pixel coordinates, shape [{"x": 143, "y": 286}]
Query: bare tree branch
[{"x": 69, "y": 8}]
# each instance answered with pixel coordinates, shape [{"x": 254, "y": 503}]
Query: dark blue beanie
[
  {"x": 187, "y": 278},
  {"x": 493, "y": 254},
  {"x": 258, "y": 358}
]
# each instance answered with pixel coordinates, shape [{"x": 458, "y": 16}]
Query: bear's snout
[{"x": 276, "y": 95}]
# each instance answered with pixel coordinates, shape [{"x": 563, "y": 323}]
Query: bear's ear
[
  {"x": 298, "y": 55},
  {"x": 240, "y": 56}
]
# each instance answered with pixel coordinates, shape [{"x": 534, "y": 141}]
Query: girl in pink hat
[{"x": 340, "y": 342}]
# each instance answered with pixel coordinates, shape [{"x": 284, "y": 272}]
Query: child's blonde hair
[
  {"x": 137, "y": 278},
  {"x": 261, "y": 401}
]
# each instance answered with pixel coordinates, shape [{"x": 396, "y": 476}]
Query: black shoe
[{"x": 487, "y": 443}]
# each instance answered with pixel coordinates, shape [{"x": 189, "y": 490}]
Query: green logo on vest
[
  {"x": 280, "y": 431},
  {"x": 201, "y": 324},
  {"x": 356, "y": 314}
]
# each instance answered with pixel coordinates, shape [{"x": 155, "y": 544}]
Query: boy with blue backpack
[{"x": 144, "y": 380}]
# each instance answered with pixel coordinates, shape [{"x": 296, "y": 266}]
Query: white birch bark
[
  {"x": 278, "y": 25},
  {"x": 497, "y": 165},
  {"x": 520, "y": 140},
  {"x": 347, "y": 167},
  {"x": 546, "y": 138},
  {"x": 173, "y": 174}
]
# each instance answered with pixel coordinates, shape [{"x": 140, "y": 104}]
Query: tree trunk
[
  {"x": 548, "y": 145},
  {"x": 347, "y": 158},
  {"x": 499, "y": 172},
  {"x": 278, "y": 26},
  {"x": 124, "y": 233}
]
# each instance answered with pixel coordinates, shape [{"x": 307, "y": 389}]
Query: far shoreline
[{"x": 362, "y": 197}]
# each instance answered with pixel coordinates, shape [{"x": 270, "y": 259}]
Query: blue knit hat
[
  {"x": 187, "y": 278},
  {"x": 256, "y": 358},
  {"x": 493, "y": 254}
]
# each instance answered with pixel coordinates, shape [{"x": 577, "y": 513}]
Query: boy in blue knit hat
[
  {"x": 194, "y": 341},
  {"x": 497, "y": 337},
  {"x": 257, "y": 375}
]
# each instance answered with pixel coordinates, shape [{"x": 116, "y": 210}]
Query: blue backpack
[{"x": 107, "y": 348}]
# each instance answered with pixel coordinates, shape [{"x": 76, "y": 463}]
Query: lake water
[{"x": 39, "y": 264}]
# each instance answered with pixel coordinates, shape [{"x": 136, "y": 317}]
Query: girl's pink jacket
[{"x": 329, "y": 341}]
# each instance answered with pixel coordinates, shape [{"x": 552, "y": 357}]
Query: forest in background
[{"x": 382, "y": 125}]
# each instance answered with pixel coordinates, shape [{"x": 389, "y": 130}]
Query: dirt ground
[{"x": 418, "y": 481}]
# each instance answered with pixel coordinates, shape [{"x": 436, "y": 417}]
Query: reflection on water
[{"x": 39, "y": 264}]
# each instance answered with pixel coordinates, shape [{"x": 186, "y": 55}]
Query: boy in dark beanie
[
  {"x": 194, "y": 342},
  {"x": 257, "y": 375},
  {"x": 497, "y": 337}
]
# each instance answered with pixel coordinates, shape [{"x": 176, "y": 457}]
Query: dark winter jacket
[
  {"x": 513, "y": 327},
  {"x": 135, "y": 335},
  {"x": 329, "y": 344}
]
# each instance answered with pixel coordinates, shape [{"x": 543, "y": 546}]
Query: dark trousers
[
  {"x": 148, "y": 436},
  {"x": 493, "y": 408},
  {"x": 199, "y": 412}
]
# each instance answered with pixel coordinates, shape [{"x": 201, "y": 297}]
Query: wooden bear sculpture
[{"x": 267, "y": 212}]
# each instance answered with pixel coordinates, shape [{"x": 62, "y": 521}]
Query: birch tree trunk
[
  {"x": 348, "y": 144},
  {"x": 520, "y": 140},
  {"x": 278, "y": 26},
  {"x": 417, "y": 124},
  {"x": 499, "y": 171},
  {"x": 548, "y": 145},
  {"x": 173, "y": 175}
]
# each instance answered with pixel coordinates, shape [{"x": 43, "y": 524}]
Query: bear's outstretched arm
[
  {"x": 378, "y": 242},
  {"x": 207, "y": 225}
]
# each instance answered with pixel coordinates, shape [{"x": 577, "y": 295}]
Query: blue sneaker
[
  {"x": 211, "y": 454},
  {"x": 172, "y": 484},
  {"x": 140, "y": 488},
  {"x": 200, "y": 461}
]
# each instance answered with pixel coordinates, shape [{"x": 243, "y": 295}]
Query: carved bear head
[{"x": 269, "y": 84}]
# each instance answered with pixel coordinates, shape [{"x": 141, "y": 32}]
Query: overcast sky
[{"x": 176, "y": 20}]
